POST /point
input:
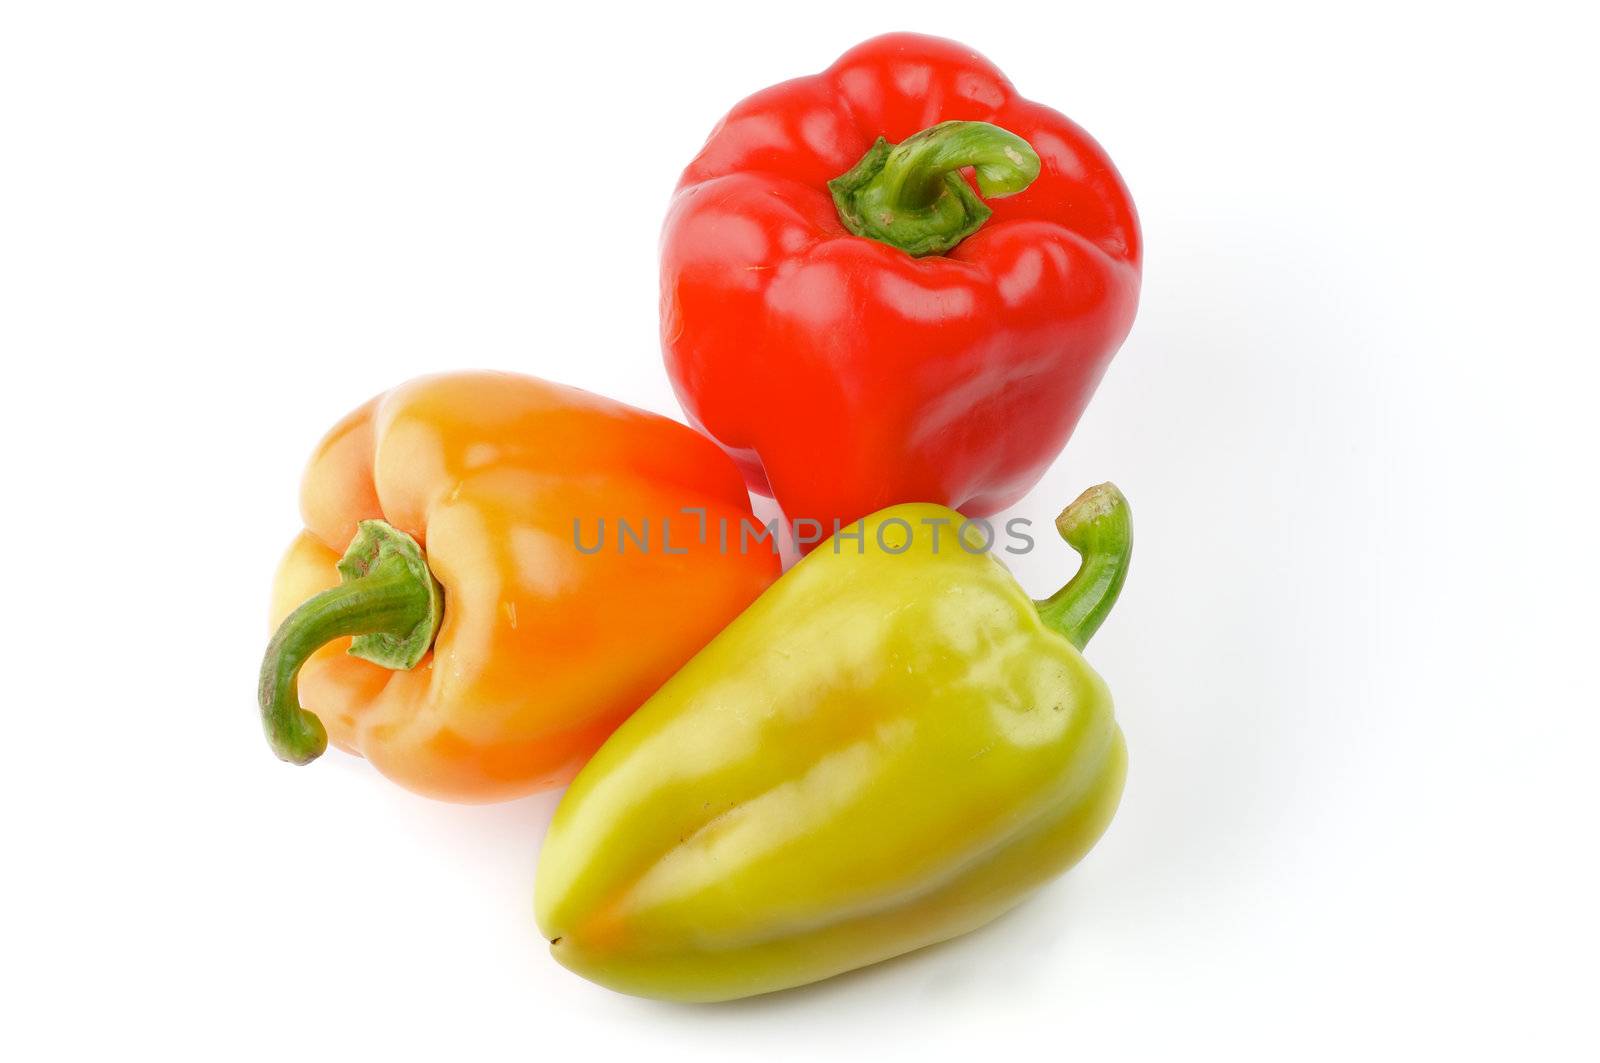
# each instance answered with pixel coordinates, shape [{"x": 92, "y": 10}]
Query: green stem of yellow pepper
[{"x": 1099, "y": 526}]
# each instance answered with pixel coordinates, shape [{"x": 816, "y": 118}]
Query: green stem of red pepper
[
  {"x": 389, "y": 600},
  {"x": 1100, "y": 527},
  {"x": 912, "y": 194}
]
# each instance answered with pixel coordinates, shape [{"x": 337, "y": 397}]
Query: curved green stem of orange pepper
[
  {"x": 1099, "y": 525},
  {"x": 389, "y": 600},
  {"x": 912, "y": 194}
]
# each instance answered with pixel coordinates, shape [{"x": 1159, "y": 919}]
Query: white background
[{"x": 1356, "y": 418}]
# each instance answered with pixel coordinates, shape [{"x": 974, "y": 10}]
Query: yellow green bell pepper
[{"x": 892, "y": 746}]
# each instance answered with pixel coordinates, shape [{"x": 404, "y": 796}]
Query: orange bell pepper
[{"x": 492, "y": 655}]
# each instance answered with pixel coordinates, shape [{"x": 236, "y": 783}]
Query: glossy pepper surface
[
  {"x": 493, "y": 655},
  {"x": 857, "y": 325},
  {"x": 891, "y": 747}
]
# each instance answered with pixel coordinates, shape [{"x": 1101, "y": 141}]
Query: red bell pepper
[{"x": 855, "y": 324}]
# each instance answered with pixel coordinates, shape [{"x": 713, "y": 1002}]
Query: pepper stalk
[
  {"x": 1099, "y": 526},
  {"x": 388, "y": 599},
  {"x": 912, "y": 194}
]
